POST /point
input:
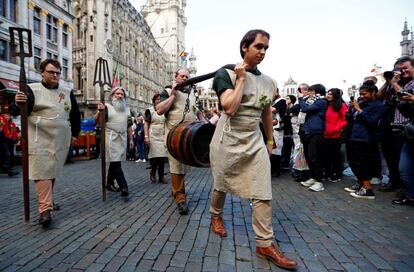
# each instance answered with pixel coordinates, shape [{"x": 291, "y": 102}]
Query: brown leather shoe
[
  {"x": 217, "y": 226},
  {"x": 274, "y": 255},
  {"x": 45, "y": 219}
]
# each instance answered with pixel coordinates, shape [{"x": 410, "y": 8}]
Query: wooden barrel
[{"x": 189, "y": 143}]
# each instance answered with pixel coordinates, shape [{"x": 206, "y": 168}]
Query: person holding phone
[{"x": 365, "y": 116}]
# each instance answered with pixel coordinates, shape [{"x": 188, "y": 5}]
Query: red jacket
[
  {"x": 335, "y": 122},
  {"x": 4, "y": 126},
  {"x": 8, "y": 128}
]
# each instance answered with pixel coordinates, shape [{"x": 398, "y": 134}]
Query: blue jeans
[
  {"x": 407, "y": 168},
  {"x": 141, "y": 151}
]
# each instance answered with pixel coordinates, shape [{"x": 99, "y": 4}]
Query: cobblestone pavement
[{"x": 324, "y": 231}]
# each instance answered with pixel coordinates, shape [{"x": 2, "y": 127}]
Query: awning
[{"x": 9, "y": 86}]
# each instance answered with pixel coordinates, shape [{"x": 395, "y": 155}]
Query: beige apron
[
  {"x": 175, "y": 115},
  {"x": 238, "y": 156},
  {"x": 49, "y": 132},
  {"x": 156, "y": 135},
  {"x": 116, "y": 134}
]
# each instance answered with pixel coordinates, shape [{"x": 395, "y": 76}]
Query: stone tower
[
  {"x": 192, "y": 68},
  {"x": 167, "y": 22},
  {"x": 407, "y": 45}
]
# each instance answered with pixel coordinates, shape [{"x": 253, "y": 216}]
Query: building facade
[
  {"x": 208, "y": 99},
  {"x": 51, "y": 26},
  {"x": 116, "y": 31},
  {"x": 407, "y": 43},
  {"x": 167, "y": 22}
]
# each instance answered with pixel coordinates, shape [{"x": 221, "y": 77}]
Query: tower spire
[{"x": 192, "y": 69}]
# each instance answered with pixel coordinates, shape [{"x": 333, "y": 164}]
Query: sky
[{"x": 313, "y": 41}]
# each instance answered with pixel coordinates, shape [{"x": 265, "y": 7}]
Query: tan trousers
[
  {"x": 44, "y": 191},
  {"x": 261, "y": 217},
  {"x": 178, "y": 188}
]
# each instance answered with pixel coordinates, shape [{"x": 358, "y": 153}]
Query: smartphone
[
  {"x": 352, "y": 98},
  {"x": 400, "y": 94}
]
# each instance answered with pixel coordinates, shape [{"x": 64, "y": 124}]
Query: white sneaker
[
  {"x": 138, "y": 160},
  {"x": 308, "y": 183},
  {"x": 334, "y": 180},
  {"x": 144, "y": 160},
  {"x": 317, "y": 187},
  {"x": 375, "y": 181}
]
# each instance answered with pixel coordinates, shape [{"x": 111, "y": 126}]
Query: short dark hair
[
  {"x": 249, "y": 38},
  {"x": 155, "y": 97},
  {"x": 54, "y": 62},
  {"x": 404, "y": 59},
  {"x": 318, "y": 89},
  {"x": 370, "y": 86},
  {"x": 292, "y": 98}
]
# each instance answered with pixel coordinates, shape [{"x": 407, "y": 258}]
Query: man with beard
[
  {"x": 237, "y": 152},
  {"x": 53, "y": 120},
  {"x": 392, "y": 124},
  {"x": 116, "y": 118},
  {"x": 172, "y": 105}
]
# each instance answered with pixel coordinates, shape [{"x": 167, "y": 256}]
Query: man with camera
[
  {"x": 406, "y": 107},
  {"x": 398, "y": 83}
]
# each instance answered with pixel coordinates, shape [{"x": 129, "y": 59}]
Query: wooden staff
[
  {"x": 102, "y": 78},
  {"x": 22, "y": 53}
]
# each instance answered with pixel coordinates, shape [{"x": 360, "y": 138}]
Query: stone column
[
  {"x": 28, "y": 23},
  {"x": 22, "y": 7},
  {"x": 43, "y": 15},
  {"x": 59, "y": 23},
  {"x": 70, "y": 58}
]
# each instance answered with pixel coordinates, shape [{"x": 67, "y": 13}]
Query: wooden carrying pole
[
  {"x": 21, "y": 52},
  {"x": 102, "y": 77}
]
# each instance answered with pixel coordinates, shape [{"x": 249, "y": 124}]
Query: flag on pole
[
  {"x": 376, "y": 69},
  {"x": 183, "y": 55},
  {"x": 117, "y": 77}
]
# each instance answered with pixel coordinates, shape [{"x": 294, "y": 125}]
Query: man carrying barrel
[
  {"x": 239, "y": 157},
  {"x": 173, "y": 105}
]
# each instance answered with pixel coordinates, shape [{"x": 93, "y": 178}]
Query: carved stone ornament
[{"x": 109, "y": 46}]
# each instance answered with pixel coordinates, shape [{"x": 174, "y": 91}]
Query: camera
[
  {"x": 405, "y": 92},
  {"x": 388, "y": 75}
]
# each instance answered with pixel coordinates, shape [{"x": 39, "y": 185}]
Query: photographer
[
  {"x": 402, "y": 77},
  {"x": 406, "y": 107}
]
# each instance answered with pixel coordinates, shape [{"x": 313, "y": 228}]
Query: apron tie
[{"x": 226, "y": 127}]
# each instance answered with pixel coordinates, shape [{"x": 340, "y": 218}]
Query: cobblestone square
[{"x": 326, "y": 231}]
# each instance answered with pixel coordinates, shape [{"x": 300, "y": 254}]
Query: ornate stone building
[
  {"x": 116, "y": 31},
  {"x": 50, "y": 23},
  {"x": 208, "y": 98},
  {"x": 289, "y": 88},
  {"x": 407, "y": 44},
  {"x": 167, "y": 22}
]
